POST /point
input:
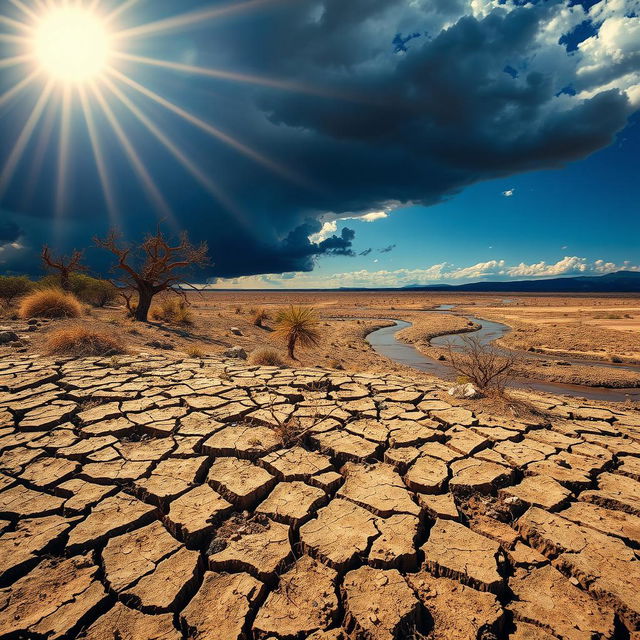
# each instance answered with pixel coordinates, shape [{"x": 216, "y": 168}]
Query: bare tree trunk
[
  {"x": 145, "y": 296},
  {"x": 65, "y": 281},
  {"x": 291, "y": 345}
]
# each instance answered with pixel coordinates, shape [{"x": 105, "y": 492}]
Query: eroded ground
[{"x": 147, "y": 497}]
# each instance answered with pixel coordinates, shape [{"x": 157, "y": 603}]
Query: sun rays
[{"x": 72, "y": 52}]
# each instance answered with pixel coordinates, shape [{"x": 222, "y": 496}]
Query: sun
[{"x": 72, "y": 44}]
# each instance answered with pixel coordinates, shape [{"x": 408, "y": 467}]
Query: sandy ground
[{"x": 557, "y": 327}]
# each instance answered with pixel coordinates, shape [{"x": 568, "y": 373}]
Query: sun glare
[{"x": 72, "y": 44}]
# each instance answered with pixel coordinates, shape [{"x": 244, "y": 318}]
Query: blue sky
[{"x": 482, "y": 139}]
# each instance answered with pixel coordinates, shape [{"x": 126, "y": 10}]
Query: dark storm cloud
[
  {"x": 413, "y": 126},
  {"x": 9, "y": 231}
]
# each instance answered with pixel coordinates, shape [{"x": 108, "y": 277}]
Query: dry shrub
[
  {"x": 50, "y": 303},
  {"x": 266, "y": 357},
  {"x": 194, "y": 351},
  {"x": 82, "y": 342},
  {"x": 259, "y": 316},
  {"x": 172, "y": 311},
  {"x": 298, "y": 324},
  {"x": 481, "y": 364}
]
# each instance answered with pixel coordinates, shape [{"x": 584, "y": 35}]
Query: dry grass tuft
[
  {"x": 194, "y": 351},
  {"x": 266, "y": 357},
  {"x": 172, "y": 311},
  {"x": 259, "y": 316},
  {"x": 298, "y": 325},
  {"x": 81, "y": 342},
  {"x": 50, "y": 303}
]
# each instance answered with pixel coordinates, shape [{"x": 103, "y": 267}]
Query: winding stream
[{"x": 385, "y": 343}]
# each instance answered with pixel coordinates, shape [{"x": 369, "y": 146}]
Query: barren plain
[{"x": 163, "y": 496}]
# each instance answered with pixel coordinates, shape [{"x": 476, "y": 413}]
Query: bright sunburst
[
  {"x": 72, "y": 44},
  {"x": 73, "y": 50}
]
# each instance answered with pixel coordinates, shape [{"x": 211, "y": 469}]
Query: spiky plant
[{"x": 297, "y": 324}]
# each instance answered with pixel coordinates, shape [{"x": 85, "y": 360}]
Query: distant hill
[{"x": 618, "y": 282}]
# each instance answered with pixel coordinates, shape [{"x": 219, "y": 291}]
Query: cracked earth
[{"x": 157, "y": 499}]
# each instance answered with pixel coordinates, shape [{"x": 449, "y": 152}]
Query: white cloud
[
  {"x": 508, "y": 193},
  {"x": 436, "y": 273},
  {"x": 371, "y": 216},
  {"x": 328, "y": 228}
]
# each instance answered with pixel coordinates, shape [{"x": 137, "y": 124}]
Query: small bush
[
  {"x": 298, "y": 324},
  {"x": 259, "y": 316},
  {"x": 171, "y": 311},
  {"x": 12, "y": 287},
  {"x": 194, "y": 351},
  {"x": 266, "y": 357},
  {"x": 94, "y": 291},
  {"x": 80, "y": 342},
  {"x": 50, "y": 303}
]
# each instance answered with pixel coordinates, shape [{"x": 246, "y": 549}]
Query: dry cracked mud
[{"x": 156, "y": 498}]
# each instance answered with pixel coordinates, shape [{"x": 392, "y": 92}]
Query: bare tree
[
  {"x": 153, "y": 266},
  {"x": 483, "y": 364},
  {"x": 64, "y": 265}
]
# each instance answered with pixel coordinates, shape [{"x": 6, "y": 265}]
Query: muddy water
[{"x": 385, "y": 343}]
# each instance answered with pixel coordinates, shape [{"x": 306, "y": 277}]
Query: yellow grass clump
[
  {"x": 297, "y": 324},
  {"x": 266, "y": 357},
  {"x": 50, "y": 303},
  {"x": 171, "y": 311},
  {"x": 82, "y": 342}
]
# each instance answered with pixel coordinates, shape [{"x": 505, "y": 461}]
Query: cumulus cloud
[
  {"x": 435, "y": 274},
  {"x": 390, "y": 119}
]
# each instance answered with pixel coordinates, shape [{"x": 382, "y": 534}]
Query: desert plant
[
  {"x": 94, "y": 291},
  {"x": 266, "y": 357},
  {"x": 153, "y": 266},
  {"x": 49, "y": 303},
  {"x": 82, "y": 342},
  {"x": 297, "y": 324},
  {"x": 12, "y": 287},
  {"x": 194, "y": 351},
  {"x": 259, "y": 316},
  {"x": 481, "y": 364},
  {"x": 172, "y": 311},
  {"x": 65, "y": 266}
]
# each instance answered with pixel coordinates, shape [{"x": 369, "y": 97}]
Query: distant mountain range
[{"x": 618, "y": 282}]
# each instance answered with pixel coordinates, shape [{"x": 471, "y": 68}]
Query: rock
[
  {"x": 305, "y": 601},
  {"x": 377, "y": 487},
  {"x": 292, "y": 502},
  {"x": 259, "y": 546},
  {"x": 454, "y": 551},
  {"x": 235, "y": 352},
  {"x": 30, "y": 607},
  {"x": 459, "y": 612},
  {"x": 341, "y": 532},
  {"x": 195, "y": 514},
  {"x": 379, "y": 604},
  {"x": 8, "y": 336},
  {"x": 109, "y": 518},
  {"x": 544, "y": 597},
  {"x": 464, "y": 391},
  {"x": 221, "y": 606},
  {"x": 235, "y": 331},
  {"x": 128, "y": 624}
]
